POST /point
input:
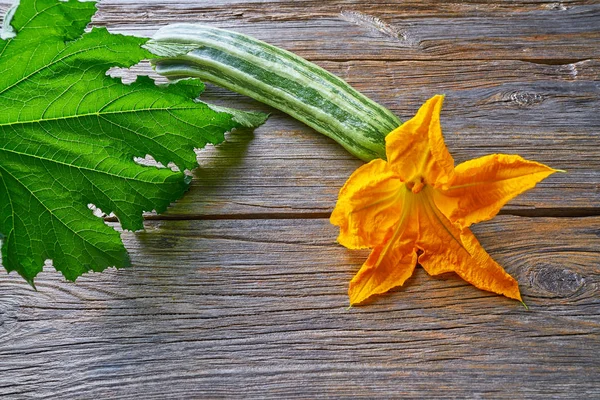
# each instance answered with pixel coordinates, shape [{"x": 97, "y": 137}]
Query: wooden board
[
  {"x": 237, "y": 308},
  {"x": 542, "y": 112},
  {"x": 239, "y": 290}
]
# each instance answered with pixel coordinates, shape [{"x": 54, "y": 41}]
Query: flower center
[{"x": 416, "y": 184}]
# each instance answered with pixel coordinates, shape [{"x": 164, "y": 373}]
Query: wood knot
[
  {"x": 557, "y": 6},
  {"x": 166, "y": 242},
  {"x": 557, "y": 282},
  {"x": 526, "y": 99},
  {"x": 519, "y": 98}
]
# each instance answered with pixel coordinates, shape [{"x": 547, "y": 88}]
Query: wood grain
[
  {"x": 546, "y": 113},
  {"x": 239, "y": 290},
  {"x": 258, "y": 308},
  {"x": 548, "y": 32}
]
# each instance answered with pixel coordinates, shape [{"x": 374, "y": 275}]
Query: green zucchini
[{"x": 276, "y": 77}]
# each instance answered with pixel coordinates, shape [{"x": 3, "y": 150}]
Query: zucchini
[{"x": 278, "y": 78}]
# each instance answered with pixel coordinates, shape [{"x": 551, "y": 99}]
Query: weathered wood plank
[
  {"x": 543, "y": 112},
  {"x": 258, "y": 308},
  {"x": 546, "y": 31}
]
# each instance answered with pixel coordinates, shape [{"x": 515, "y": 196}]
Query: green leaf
[{"x": 69, "y": 135}]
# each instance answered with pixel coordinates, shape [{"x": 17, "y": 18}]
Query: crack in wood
[
  {"x": 553, "y": 212},
  {"x": 530, "y": 213}
]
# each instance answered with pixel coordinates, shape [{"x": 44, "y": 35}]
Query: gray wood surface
[{"x": 239, "y": 290}]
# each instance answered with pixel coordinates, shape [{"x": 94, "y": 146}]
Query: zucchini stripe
[
  {"x": 276, "y": 60},
  {"x": 278, "y": 78},
  {"x": 287, "y": 64},
  {"x": 303, "y": 114}
]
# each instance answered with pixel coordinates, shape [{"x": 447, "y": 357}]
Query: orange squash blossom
[{"x": 417, "y": 207}]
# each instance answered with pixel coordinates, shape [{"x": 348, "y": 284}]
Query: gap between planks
[{"x": 533, "y": 213}]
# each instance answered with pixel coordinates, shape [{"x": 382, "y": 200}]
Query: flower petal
[
  {"x": 388, "y": 266},
  {"x": 445, "y": 248},
  {"x": 485, "y": 273},
  {"x": 483, "y": 185},
  {"x": 368, "y": 206},
  {"x": 417, "y": 148}
]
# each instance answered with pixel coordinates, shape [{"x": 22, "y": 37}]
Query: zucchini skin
[{"x": 278, "y": 78}]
